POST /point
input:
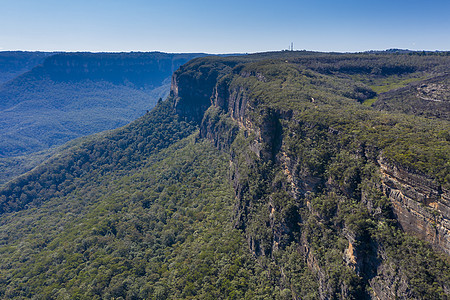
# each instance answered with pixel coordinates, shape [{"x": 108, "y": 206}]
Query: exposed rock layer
[{"x": 420, "y": 205}]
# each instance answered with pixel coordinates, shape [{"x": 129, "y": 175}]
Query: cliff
[
  {"x": 421, "y": 206},
  {"x": 141, "y": 69},
  {"x": 15, "y": 63},
  {"x": 287, "y": 162},
  {"x": 260, "y": 176}
]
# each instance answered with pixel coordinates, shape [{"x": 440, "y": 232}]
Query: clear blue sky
[{"x": 223, "y": 26}]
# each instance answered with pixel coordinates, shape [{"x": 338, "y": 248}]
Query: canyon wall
[{"x": 256, "y": 137}]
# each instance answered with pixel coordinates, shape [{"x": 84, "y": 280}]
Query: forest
[
  {"x": 53, "y": 98},
  {"x": 285, "y": 175}
]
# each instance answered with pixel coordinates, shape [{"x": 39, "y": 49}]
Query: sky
[{"x": 233, "y": 26}]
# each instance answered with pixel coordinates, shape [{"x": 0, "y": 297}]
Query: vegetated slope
[
  {"x": 14, "y": 63},
  {"x": 141, "y": 212},
  {"x": 76, "y": 94},
  {"x": 429, "y": 97},
  {"x": 11, "y": 167},
  {"x": 323, "y": 198}
]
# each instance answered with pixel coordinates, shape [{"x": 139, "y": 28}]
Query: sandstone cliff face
[
  {"x": 231, "y": 112},
  {"x": 194, "y": 92},
  {"x": 137, "y": 69},
  {"x": 390, "y": 284},
  {"x": 227, "y": 112},
  {"x": 264, "y": 130},
  {"x": 192, "y": 88},
  {"x": 422, "y": 207}
]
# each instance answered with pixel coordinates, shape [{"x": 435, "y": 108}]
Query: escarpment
[
  {"x": 422, "y": 207},
  {"x": 264, "y": 176},
  {"x": 133, "y": 69},
  {"x": 305, "y": 179}
]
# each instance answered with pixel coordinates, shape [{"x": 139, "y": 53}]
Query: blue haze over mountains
[
  {"x": 75, "y": 94},
  {"x": 47, "y": 99}
]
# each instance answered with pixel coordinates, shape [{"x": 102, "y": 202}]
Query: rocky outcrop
[
  {"x": 422, "y": 207},
  {"x": 192, "y": 88},
  {"x": 389, "y": 285},
  {"x": 435, "y": 89}
]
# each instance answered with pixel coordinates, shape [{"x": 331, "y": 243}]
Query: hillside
[
  {"x": 260, "y": 176},
  {"x": 429, "y": 97},
  {"x": 76, "y": 94}
]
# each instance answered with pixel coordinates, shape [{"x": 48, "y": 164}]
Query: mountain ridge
[{"x": 306, "y": 196}]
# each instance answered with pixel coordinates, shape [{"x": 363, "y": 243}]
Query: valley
[
  {"x": 64, "y": 96},
  {"x": 262, "y": 176}
]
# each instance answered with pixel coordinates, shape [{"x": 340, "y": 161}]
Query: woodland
[{"x": 258, "y": 177}]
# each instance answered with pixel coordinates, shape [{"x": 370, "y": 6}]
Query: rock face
[
  {"x": 318, "y": 197},
  {"x": 264, "y": 169},
  {"x": 195, "y": 89},
  {"x": 436, "y": 89},
  {"x": 422, "y": 207},
  {"x": 389, "y": 285},
  {"x": 138, "y": 69}
]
